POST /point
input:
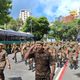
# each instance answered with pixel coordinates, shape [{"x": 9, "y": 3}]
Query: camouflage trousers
[
  {"x": 2, "y": 75},
  {"x": 38, "y": 77}
]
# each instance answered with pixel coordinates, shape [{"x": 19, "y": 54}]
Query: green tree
[
  {"x": 5, "y": 6},
  {"x": 78, "y": 25},
  {"x": 57, "y": 30},
  {"x": 19, "y": 23},
  {"x": 43, "y": 27},
  {"x": 72, "y": 29},
  {"x": 66, "y": 31},
  {"x": 37, "y": 26},
  {"x": 12, "y": 25}
]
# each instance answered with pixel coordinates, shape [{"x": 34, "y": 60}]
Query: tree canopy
[
  {"x": 37, "y": 26},
  {"x": 5, "y": 6},
  {"x": 68, "y": 31}
]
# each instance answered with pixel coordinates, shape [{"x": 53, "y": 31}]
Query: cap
[{"x": 39, "y": 42}]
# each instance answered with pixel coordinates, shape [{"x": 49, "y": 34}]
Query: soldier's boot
[
  {"x": 32, "y": 67},
  {"x": 26, "y": 62},
  {"x": 29, "y": 66},
  {"x": 57, "y": 64},
  {"x": 75, "y": 64},
  {"x": 33, "y": 70},
  {"x": 71, "y": 65},
  {"x": 61, "y": 63},
  {"x": 15, "y": 58},
  {"x": 22, "y": 57}
]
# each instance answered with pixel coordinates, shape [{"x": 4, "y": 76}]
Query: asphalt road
[
  {"x": 19, "y": 71},
  {"x": 72, "y": 74}
]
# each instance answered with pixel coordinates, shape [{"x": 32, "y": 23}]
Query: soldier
[
  {"x": 3, "y": 61},
  {"x": 30, "y": 60},
  {"x": 59, "y": 58},
  {"x": 52, "y": 50},
  {"x": 15, "y": 50},
  {"x": 23, "y": 50},
  {"x": 64, "y": 54},
  {"x": 72, "y": 55},
  {"x": 43, "y": 60}
]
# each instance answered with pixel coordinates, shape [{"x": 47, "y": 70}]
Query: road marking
[
  {"x": 61, "y": 72},
  {"x": 56, "y": 70}
]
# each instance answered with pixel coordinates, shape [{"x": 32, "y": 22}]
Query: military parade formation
[{"x": 41, "y": 57}]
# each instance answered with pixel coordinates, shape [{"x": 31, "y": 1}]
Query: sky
[{"x": 48, "y": 8}]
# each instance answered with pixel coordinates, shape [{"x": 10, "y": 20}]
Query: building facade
[
  {"x": 73, "y": 15},
  {"x": 24, "y": 15}
]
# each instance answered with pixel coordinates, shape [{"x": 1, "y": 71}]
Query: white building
[{"x": 24, "y": 14}]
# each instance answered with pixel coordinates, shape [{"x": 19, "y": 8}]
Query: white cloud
[
  {"x": 66, "y": 6},
  {"x": 48, "y": 6},
  {"x": 63, "y": 6}
]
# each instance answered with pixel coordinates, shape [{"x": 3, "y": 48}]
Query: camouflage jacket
[
  {"x": 3, "y": 56},
  {"x": 43, "y": 60}
]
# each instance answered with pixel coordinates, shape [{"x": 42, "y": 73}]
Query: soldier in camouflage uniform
[
  {"x": 31, "y": 61},
  {"x": 72, "y": 55},
  {"x": 3, "y": 61},
  {"x": 43, "y": 60},
  {"x": 15, "y": 50},
  {"x": 24, "y": 48}
]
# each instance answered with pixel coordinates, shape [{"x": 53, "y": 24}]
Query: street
[
  {"x": 46, "y": 32},
  {"x": 19, "y": 71}
]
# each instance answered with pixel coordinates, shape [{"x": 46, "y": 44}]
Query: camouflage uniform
[
  {"x": 2, "y": 63},
  {"x": 43, "y": 60},
  {"x": 23, "y": 51},
  {"x": 15, "y": 50}
]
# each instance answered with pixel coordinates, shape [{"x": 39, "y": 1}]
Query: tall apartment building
[{"x": 24, "y": 14}]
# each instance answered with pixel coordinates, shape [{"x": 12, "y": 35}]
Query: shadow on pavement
[
  {"x": 78, "y": 74},
  {"x": 15, "y": 78}
]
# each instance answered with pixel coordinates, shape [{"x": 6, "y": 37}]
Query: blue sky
[{"x": 49, "y": 8}]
